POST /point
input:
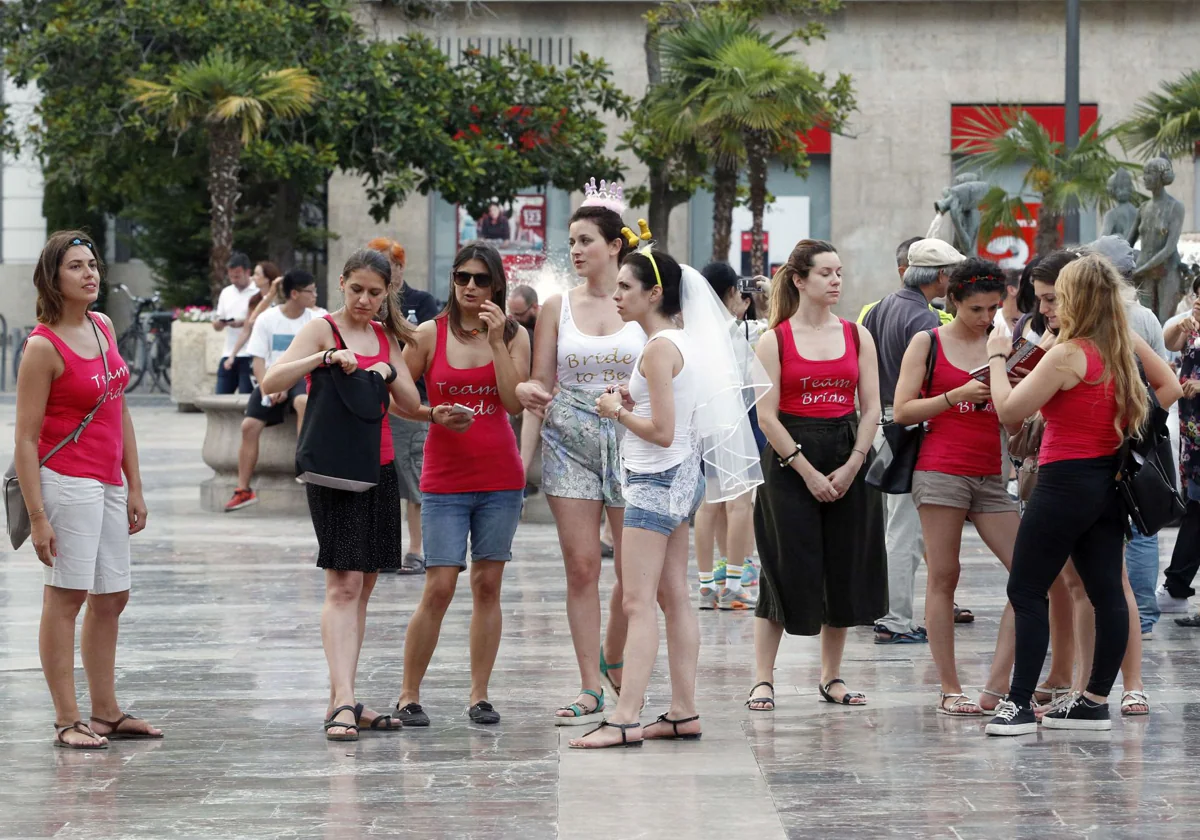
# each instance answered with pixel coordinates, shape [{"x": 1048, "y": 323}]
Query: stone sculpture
[
  {"x": 1158, "y": 227},
  {"x": 1122, "y": 218},
  {"x": 960, "y": 206}
]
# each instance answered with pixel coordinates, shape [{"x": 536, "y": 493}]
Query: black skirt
[
  {"x": 358, "y": 532},
  {"x": 822, "y": 563}
]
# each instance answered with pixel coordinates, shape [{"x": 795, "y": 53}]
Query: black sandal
[
  {"x": 83, "y": 729},
  {"x": 754, "y": 699},
  {"x": 330, "y": 723},
  {"x": 962, "y": 615},
  {"x": 381, "y": 723},
  {"x": 625, "y": 742},
  {"x": 846, "y": 698},
  {"x": 677, "y": 736}
]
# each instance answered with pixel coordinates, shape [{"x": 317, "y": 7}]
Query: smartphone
[
  {"x": 459, "y": 408},
  {"x": 227, "y": 320},
  {"x": 747, "y": 286}
]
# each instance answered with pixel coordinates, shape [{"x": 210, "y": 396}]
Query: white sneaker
[{"x": 1167, "y": 603}]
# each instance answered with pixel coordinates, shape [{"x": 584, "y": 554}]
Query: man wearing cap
[{"x": 893, "y": 323}]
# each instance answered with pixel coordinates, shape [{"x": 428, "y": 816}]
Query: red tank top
[
  {"x": 811, "y": 388},
  {"x": 98, "y": 452},
  {"x": 387, "y": 450},
  {"x": 965, "y": 439},
  {"x": 1079, "y": 422},
  {"x": 485, "y": 457}
]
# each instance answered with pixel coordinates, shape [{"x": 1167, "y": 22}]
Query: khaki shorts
[{"x": 972, "y": 493}]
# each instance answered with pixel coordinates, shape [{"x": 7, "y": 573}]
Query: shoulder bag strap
[
  {"x": 337, "y": 336},
  {"x": 930, "y": 360},
  {"x": 83, "y": 424}
]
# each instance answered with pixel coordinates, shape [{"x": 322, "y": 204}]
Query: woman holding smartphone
[{"x": 472, "y": 356}]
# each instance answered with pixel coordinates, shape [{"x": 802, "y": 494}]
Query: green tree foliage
[
  {"x": 389, "y": 111},
  {"x": 997, "y": 139},
  {"x": 1166, "y": 123}
]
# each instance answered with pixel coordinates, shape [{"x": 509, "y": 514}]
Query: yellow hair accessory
[{"x": 645, "y": 250}]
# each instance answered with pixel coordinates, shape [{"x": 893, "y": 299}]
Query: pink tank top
[
  {"x": 98, "y": 452},
  {"x": 965, "y": 439},
  {"x": 387, "y": 450},
  {"x": 1080, "y": 422},
  {"x": 809, "y": 388},
  {"x": 485, "y": 457}
]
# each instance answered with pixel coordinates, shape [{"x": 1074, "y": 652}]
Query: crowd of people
[{"x": 657, "y": 399}]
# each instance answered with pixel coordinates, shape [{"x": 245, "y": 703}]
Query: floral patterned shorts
[{"x": 581, "y": 451}]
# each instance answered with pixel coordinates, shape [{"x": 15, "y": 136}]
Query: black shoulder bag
[
  {"x": 339, "y": 443},
  {"x": 894, "y": 474},
  {"x": 1145, "y": 476}
]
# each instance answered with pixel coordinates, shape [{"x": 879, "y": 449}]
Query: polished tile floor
[{"x": 221, "y": 648}]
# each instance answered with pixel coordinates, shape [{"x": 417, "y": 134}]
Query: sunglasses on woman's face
[{"x": 482, "y": 281}]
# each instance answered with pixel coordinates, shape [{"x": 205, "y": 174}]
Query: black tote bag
[
  {"x": 894, "y": 475},
  {"x": 340, "y": 440},
  {"x": 1146, "y": 477}
]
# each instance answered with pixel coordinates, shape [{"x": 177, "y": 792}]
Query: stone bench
[{"x": 274, "y": 479}]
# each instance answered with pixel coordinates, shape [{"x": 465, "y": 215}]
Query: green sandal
[
  {"x": 605, "y": 668},
  {"x": 580, "y": 716}
]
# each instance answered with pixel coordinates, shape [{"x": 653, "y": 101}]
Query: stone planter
[
  {"x": 274, "y": 479},
  {"x": 196, "y": 350}
]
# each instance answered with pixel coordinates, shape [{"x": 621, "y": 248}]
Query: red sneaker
[{"x": 241, "y": 499}]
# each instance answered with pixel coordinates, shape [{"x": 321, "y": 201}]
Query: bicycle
[{"x": 145, "y": 345}]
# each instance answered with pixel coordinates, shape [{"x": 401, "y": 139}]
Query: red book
[{"x": 1024, "y": 358}]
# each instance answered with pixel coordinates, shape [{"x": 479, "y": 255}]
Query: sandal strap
[
  {"x": 385, "y": 720},
  {"x": 330, "y": 722},
  {"x": 991, "y": 693},
  {"x": 764, "y": 682},
  {"x": 675, "y": 723},
  {"x": 624, "y": 727},
  {"x": 78, "y": 726},
  {"x": 1135, "y": 698},
  {"x": 833, "y": 682},
  {"x": 113, "y": 725},
  {"x": 578, "y": 710},
  {"x": 960, "y": 700}
]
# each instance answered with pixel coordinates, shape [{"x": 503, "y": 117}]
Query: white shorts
[{"x": 91, "y": 529}]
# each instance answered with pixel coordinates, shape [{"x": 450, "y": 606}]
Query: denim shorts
[
  {"x": 489, "y": 519},
  {"x": 648, "y": 520}
]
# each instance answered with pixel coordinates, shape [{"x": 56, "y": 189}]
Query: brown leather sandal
[
  {"x": 115, "y": 733},
  {"x": 83, "y": 729}
]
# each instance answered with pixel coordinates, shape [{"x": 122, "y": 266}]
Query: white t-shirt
[
  {"x": 235, "y": 303},
  {"x": 273, "y": 332}
]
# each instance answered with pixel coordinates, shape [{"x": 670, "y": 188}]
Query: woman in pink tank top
[
  {"x": 356, "y": 531},
  {"x": 1090, "y": 392},
  {"x": 835, "y": 576},
  {"x": 959, "y": 470},
  {"x": 472, "y": 356},
  {"x": 71, "y": 372}
]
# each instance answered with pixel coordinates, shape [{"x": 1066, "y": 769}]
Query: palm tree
[
  {"x": 1166, "y": 124},
  {"x": 230, "y": 99},
  {"x": 1063, "y": 179}
]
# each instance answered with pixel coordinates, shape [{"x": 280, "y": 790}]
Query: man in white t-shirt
[
  {"x": 233, "y": 307},
  {"x": 272, "y": 335}
]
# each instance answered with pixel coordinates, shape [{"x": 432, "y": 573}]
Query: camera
[{"x": 747, "y": 285}]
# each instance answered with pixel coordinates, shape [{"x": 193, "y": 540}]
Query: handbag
[
  {"x": 339, "y": 443},
  {"x": 1024, "y": 446},
  {"x": 1145, "y": 476},
  {"x": 892, "y": 471},
  {"x": 16, "y": 514}
]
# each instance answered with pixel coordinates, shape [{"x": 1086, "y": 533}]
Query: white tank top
[
  {"x": 593, "y": 362},
  {"x": 641, "y": 456}
]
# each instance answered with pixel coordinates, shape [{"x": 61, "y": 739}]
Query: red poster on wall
[{"x": 1014, "y": 248}]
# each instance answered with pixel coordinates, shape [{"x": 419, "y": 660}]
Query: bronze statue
[
  {"x": 1158, "y": 227},
  {"x": 960, "y": 203},
  {"x": 1122, "y": 218}
]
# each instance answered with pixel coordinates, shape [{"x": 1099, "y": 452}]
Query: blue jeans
[
  {"x": 236, "y": 380},
  {"x": 1141, "y": 561},
  {"x": 649, "y": 520},
  {"x": 488, "y": 518}
]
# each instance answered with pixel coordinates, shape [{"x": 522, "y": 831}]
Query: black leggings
[{"x": 1075, "y": 511}]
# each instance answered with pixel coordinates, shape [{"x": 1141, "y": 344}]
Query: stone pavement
[{"x": 221, "y": 647}]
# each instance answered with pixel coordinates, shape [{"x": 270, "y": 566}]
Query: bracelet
[
  {"x": 860, "y": 452},
  {"x": 946, "y": 394},
  {"x": 40, "y": 511},
  {"x": 433, "y": 416},
  {"x": 617, "y": 416},
  {"x": 787, "y": 462},
  {"x": 997, "y": 356},
  {"x": 391, "y": 377},
  {"x": 325, "y": 358}
]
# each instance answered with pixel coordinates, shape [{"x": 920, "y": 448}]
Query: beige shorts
[
  {"x": 91, "y": 529},
  {"x": 972, "y": 493}
]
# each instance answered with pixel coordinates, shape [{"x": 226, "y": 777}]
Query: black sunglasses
[{"x": 482, "y": 281}]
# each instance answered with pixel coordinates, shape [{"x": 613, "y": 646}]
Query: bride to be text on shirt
[{"x": 609, "y": 375}]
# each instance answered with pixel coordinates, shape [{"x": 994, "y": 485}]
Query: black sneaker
[
  {"x": 411, "y": 715},
  {"x": 482, "y": 712},
  {"x": 1012, "y": 719},
  {"x": 1082, "y": 714}
]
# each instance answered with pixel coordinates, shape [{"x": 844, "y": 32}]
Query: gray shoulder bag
[{"x": 14, "y": 503}]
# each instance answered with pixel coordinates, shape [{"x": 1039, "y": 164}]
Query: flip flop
[
  {"x": 114, "y": 733},
  {"x": 625, "y": 742},
  {"x": 83, "y": 729}
]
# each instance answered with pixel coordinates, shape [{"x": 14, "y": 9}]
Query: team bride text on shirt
[
  {"x": 819, "y": 390},
  {"x": 488, "y": 396},
  {"x": 608, "y": 374},
  {"x": 121, "y": 373}
]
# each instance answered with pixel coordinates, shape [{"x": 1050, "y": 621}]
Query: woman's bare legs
[
  {"x": 942, "y": 528},
  {"x": 833, "y": 643},
  {"x": 999, "y": 532},
  {"x": 1062, "y": 636},
  {"x": 614, "y": 633},
  {"x": 1131, "y": 665},
  {"x": 56, "y": 644},
  {"x": 739, "y": 528},
  {"x": 683, "y": 639},
  {"x": 486, "y": 624},
  {"x": 424, "y": 629},
  {"x": 706, "y": 531},
  {"x": 767, "y": 635},
  {"x": 340, "y": 638}
]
